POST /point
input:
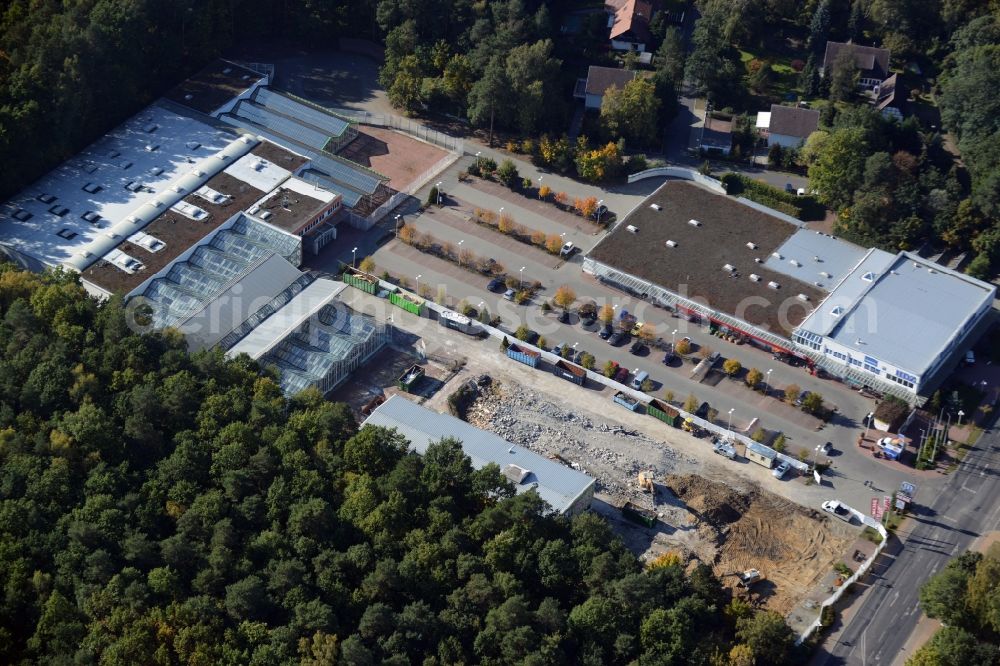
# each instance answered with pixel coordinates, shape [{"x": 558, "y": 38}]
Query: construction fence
[{"x": 446, "y": 141}]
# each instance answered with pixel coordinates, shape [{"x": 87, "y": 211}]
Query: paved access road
[{"x": 969, "y": 505}]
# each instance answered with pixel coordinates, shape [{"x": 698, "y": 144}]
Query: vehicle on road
[
  {"x": 616, "y": 339},
  {"x": 567, "y": 250},
  {"x": 606, "y": 332},
  {"x": 495, "y": 284},
  {"x": 724, "y": 449},
  {"x": 838, "y": 509},
  {"x": 638, "y": 348},
  {"x": 509, "y": 294},
  {"x": 780, "y": 470}
]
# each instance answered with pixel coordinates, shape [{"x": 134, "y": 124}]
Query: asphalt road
[{"x": 968, "y": 506}]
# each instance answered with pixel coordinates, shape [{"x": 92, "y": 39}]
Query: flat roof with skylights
[
  {"x": 906, "y": 311},
  {"x": 78, "y": 202}
]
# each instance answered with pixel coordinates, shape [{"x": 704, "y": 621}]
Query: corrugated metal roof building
[{"x": 566, "y": 490}]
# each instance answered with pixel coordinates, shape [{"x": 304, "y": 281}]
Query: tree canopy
[{"x": 162, "y": 507}]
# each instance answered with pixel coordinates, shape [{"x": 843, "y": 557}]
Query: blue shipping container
[{"x": 525, "y": 356}]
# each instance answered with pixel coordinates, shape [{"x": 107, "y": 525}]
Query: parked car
[
  {"x": 601, "y": 211},
  {"x": 638, "y": 327},
  {"x": 495, "y": 284},
  {"x": 638, "y": 348},
  {"x": 724, "y": 449},
  {"x": 669, "y": 357},
  {"x": 802, "y": 398},
  {"x": 509, "y": 294},
  {"x": 606, "y": 331},
  {"x": 616, "y": 338},
  {"x": 970, "y": 357},
  {"x": 557, "y": 349},
  {"x": 622, "y": 375},
  {"x": 578, "y": 359},
  {"x": 563, "y": 317},
  {"x": 686, "y": 339},
  {"x": 838, "y": 509},
  {"x": 781, "y": 469},
  {"x": 568, "y": 249},
  {"x": 702, "y": 411}
]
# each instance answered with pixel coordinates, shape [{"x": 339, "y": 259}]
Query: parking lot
[{"x": 848, "y": 465}]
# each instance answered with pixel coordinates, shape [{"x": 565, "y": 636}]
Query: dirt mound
[
  {"x": 713, "y": 502},
  {"x": 756, "y": 529}
]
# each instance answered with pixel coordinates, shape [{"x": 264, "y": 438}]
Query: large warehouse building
[
  {"x": 202, "y": 228},
  {"x": 566, "y": 490},
  {"x": 749, "y": 270}
]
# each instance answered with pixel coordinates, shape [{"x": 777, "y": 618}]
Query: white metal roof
[
  {"x": 814, "y": 257},
  {"x": 555, "y": 483},
  {"x": 289, "y": 318},
  {"x": 763, "y": 119},
  {"x": 905, "y": 311},
  {"x": 308, "y": 189},
  {"x": 258, "y": 172},
  {"x": 133, "y": 168}
]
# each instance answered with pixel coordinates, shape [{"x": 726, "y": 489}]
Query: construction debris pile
[{"x": 610, "y": 453}]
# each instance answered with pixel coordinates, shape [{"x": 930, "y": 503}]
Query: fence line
[{"x": 403, "y": 124}]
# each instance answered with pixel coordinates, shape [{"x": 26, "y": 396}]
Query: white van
[{"x": 639, "y": 378}]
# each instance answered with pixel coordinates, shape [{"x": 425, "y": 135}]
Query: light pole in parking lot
[
  {"x": 816, "y": 451},
  {"x": 960, "y": 415},
  {"x": 673, "y": 340},
  {"x": 398, "y": 218},
  {"x": 540, "y": 186},
  {"x": 479, "y": 165},
  {"x": 868, "y": 422},
  {"x": 438, "y": 188},
  {"x": 767, "y": 382},
  {"x": 354, "y": 258},
  {"x": 521, "y": 281},
  {"x": 599, "y": 204},
  {"x": 729, "y": 428}
]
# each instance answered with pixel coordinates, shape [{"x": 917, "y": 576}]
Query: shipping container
[
  {"x": 410, "y": 378},
  {"x": 664, "y": 412},
  {"x": 638, "y": 514},
  {"x": 364, "y": 282},
  {"x": 526, "y": 356},
  {"x": 409, "y": 302},
  {"x": 626, "y": 401},
  {"x": 570, "y": 372},
  {"x": 760, "y": 454},
  {"x": 459, "y": 322}
]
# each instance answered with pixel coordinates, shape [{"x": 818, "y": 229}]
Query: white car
[
  {"x": 780, "y": 471},
  {"x": 567, "y": 249},
  {"x": 838, "y": 509}
]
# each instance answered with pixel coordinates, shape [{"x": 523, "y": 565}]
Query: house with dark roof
[
  {"x": 629, "y": 23},
  {"x": 787, "y": 126},
  {"x": 872, "y": 63},
  {"x": 598, "y": 80},
  {"x": 891, "y": 97}
]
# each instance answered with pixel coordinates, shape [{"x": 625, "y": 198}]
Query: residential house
[
  {"x": 891, "y": 97},
  {"x": 872, "y": 63},
  {"x": 629, "y": 23},
  {"x": 598, "y": 80},
  {"x": 787, "y": 126}
]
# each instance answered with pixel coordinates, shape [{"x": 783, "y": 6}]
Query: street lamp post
[
  {"x": 479, "y": 166},
  {"x": 438, "y": 187},
  {"x": 398, "y": 218},
  {"x": 868, "y": 422},
  {"x": 960, "y": 415},
  {"x": 599, "y": 204},
  {"x": 354, "y": 258},
  {"x": 816, "y": 451},
  {"x": 729, "y": 427},
  {"x": 540, "y": 186},
  {"x": 673, "y": 341},
  {"x": 521, "y": 280},
  {"x": 767, "y": 382},
  {"x": 416, "y": 285}
]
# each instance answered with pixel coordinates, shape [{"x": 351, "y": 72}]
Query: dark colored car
[
  {"x": 669, "y": 357},
  {"x": 638, "y": 348},
  {"x": 702, "y": 411},
  {"x": 616, "y": 338},
  {"x": 606, "y": 332},
  {"x": 495, "y": 284},
  {"x": 622, "y": 375},
  {"x": 578, "y": 359},
  {"x": 564, "y": 317}
]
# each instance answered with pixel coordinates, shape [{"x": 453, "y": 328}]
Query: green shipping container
[
  {"x": 410, "y": 306},
  {"x": 367, "y": 286},
  {"x": 664, "y": 412}
]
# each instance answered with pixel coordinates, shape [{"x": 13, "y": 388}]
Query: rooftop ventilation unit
[
  {"x": 178, "y": 189},
  {"x": 46, "y": 198},
  {"x": 265, "y": 215},
  {"x": 773, "y": 285},
  {"x": 803, "y": 297},
  {"x": 157, "y": 203},
  {"x": 199, "y": 173},
  {"x": 260, "y": 165},
  {"x": 246, "y": 139},
  {"x": 776, "y": 255},
  {"x": 752, "y": 246},
  {"x": 91, "y": 216},
  {"x": 113, "y": 153},
  {"x": 758, "y": 260},
  {"x": 671, "y": 243},
  {"x": 152, "y": 147},
  {"x": 91, "y": 188},
  {"x": 22, "y": 215},
  {"x": 816, "y": 257},
  {"x": 188, "y": 97},
  {"x": 825, "y": 274},
  {"x": 156, "y": 171},
  {"x": 795, "y": 262},
  {"x": 632, "y": 229},
  {"x": 916, "y": 264},
  {"x": 694, "y": 223},
  {"x": 656, "y": 206},
  {"x": 932, "y": 271},
  {"x": 729, "y": 268},
  {"x": 127, "y": 164},
  {"x": 254, "y": 209},
  {"x": 868, "y": 277},
  {"x": 837, "y": 311},
  {"x": 227, "y": 70},
  {"x": 754, "y": 277},
  {"x": 193, "y": 145},
  {"x": 150, "y": 128},
  {"x": 246, "y": 77}
]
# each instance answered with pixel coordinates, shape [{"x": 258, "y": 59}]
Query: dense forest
[
  {"x": 965, "y": 596},
  {"x": 158, "y": 507}
]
